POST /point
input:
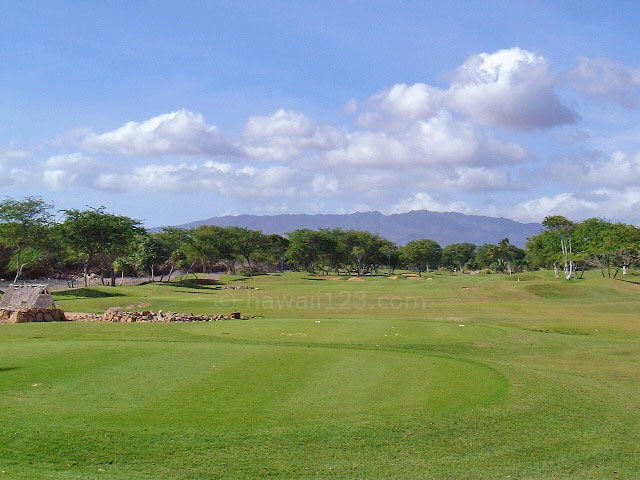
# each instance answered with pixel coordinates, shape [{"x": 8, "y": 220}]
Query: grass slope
[{"x": 339, "y": 379}]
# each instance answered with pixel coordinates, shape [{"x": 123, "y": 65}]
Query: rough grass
[{"x": 541, "y": 382}]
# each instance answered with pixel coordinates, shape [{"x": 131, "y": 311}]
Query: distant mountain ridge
[{"x": 443, "y": 227}]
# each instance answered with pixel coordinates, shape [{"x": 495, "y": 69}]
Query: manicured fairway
[{"x": 461, "y": 377}]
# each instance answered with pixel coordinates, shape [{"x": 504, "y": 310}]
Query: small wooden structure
[{"x": 28, "y": 303}]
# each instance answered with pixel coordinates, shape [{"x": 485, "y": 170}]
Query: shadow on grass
[
  {"x": 196, "y": 283},
  {"x": 87, "y": 293},
  {"x": 183, "y": 292},
  {"x": 8, "y": 369}
]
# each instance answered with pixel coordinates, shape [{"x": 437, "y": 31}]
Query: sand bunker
[{"x": 355, "y": 279}]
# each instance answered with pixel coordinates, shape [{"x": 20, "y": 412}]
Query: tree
[
  {"x": 607, "y": 244},
  {"x": 100, "y": 236},
  {"x": 276, "y": 249},
  {"x": 543, "y": 251},
  {"x": 507, "y": 256},
  {"x": 150, "y": 251},
  {"x": 175, "y": 241},
  {"x": 303, "y": 249},
  {"x": 246, "y": 243},
  {"x": 23, "y": 224},
  {"x": 209, "y": 244},
  {"x": 458, "y": 254},
  {"x": 562, "y": 228},
  {"x": 421, "y": 254}
]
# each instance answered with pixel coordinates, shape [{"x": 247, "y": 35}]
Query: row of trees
[
  {"x": 94, "y": 241},
  {"x": 575, "y": 247}
]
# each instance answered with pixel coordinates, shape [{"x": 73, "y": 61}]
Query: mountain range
[{"x": 443, "y": 227}]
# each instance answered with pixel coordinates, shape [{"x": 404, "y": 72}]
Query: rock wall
[
  {"x": 149, "y": 316},
  {"x": 32, "y": 315}
]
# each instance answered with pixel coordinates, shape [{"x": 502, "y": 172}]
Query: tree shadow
[
  {"x": 8, "y": 369},
  {"x": 87, "y": 293},
  {"x": 196, "y": 283}
]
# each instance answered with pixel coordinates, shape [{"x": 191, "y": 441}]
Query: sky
[{"x": 171, "y": 112}]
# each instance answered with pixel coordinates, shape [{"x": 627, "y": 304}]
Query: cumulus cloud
[
  {"x": 606, "y": 78},
  {"x": 285, "y": 135},
  {"x": 324, "y": 185},
  {"x": 176, "y": 133},
  {"x": 439, "y": 141},
  {"x": 417, "y": 137},
  {"x": 621, "y": 169},
  {"x": 222, "y": 178},
  {"x": 71, "y": 170},
  {"x": 424, "y": 201},
  {"x": 399, "y": 105},
  {"x": 12, "y": 167},
  {"x": 511, "y": 88},
  {"x": 603, "y": 202}
]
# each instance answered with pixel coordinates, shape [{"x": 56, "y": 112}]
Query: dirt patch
[
  {"x": 393, "y": 277},
  {"x": 355, "y": 279}
]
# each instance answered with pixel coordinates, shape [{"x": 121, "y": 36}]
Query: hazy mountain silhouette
[{"x": 443, "y": 227}]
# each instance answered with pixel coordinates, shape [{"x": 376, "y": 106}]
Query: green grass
[{"x": 336, "y": 379}]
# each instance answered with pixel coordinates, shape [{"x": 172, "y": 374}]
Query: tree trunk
[
  {"x": 113, "y": 278},
  {"x": 86, "y": 267},
  {"x": 18, "y": 268},
  {"x": 170, "y": 273},
  {"x": 555, "y": 270}
]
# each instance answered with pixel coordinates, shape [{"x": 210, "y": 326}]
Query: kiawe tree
[
  {"x": 23, "y": 225},
  {"x": 246, "y": 243},
  {"x": 100, "y": 236},
  {"x": 421, "y": 254},
  {"x": 458, "y": 254}
]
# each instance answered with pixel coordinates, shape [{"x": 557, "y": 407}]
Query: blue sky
[{"x": 176, "y": 111}]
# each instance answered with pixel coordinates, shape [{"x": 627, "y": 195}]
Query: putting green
[
  {"x": 383, "y": 332},
  {"x": 207, "y": 385}
]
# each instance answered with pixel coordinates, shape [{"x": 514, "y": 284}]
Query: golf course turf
[{"x": 442, "y": 377}]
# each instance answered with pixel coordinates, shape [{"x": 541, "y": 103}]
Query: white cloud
[
  {"x": 285, "y": 135},
  {"x": 324, "y": 185},
  {"x": 479, "y": 179},
  {"x": 621, "y": 169},
  {"x": 439, "y": 141},
  {"x": 606, "y": 78},
  {"x": 401, "y": 104},
  {"x": 603, "y": 202},
  {"x": 511, "y": 88},
  {"x": 71, "y": 170},
  {"x": 222, "y": 178},
  {"x": 176, "y": 133},
  {"x": 12, "y": 167},
  {"x": 424, "y": 201}
]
